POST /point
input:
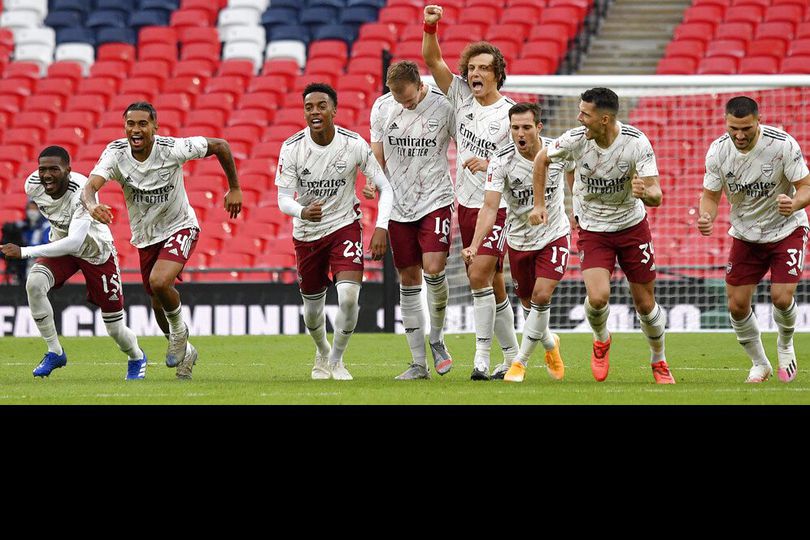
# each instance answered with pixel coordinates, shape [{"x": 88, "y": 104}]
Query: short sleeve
[
  {"x": 712, "y": 180},
  {"x": 495, "y": 175},
  {"x": 795, "y": 165},
  {"x": 107, "y": 165},
  {"x": 645, "y": 159},
  {"x": 366, "y": 161},
  {"x": 458, "y": 91},
  {"x": 563, "y": 147},
  {"x": 187, "y": 148},
  {"x": 377, "y": 122},
  {"x": 286, "y": 171}
]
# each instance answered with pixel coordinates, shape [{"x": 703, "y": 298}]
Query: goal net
[{"x": 681, "y": 115}]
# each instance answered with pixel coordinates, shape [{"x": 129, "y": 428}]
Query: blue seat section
[
  {"x": 318, "y": 15},
  {"x": 296, "y": 4},
  {"x": 379, "y": 4},
  {"x": 168, "y": 5},
  {"x": 78, "y": 34},
  {"x": 64, "y": 19},
  {"x": 358, "y": 15},
  {"x": 283, "y": 15},
  {"x": 121, "y": 5},
  {"x": 116, "y": 35},
  {"x": 337, "y": 4},
  {"x": 345, "y": 32},
  {"x": 149, "y": 17},
  {"x": 82, "y": 6},
  {"x": 106, "y": 17},
  {"x": 300, "y": 33}
]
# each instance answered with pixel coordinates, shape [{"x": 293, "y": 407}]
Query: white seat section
[
  {"x": 40, "y": 7},
  {"x": 35, "y": 36},
  {"x": 35, "y": 52},
  {"x": 20, "y": 19},
  {"x": 258, "y": 5},
  {"x": 238, "y": 17},
  {"x": 250, "y": 34},
  {"x": 244, "y": 50},
  {"x": 287, "y": 48},
  {"x": 82, "y": 53}
]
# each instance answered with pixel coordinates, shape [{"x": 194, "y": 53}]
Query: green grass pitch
[{"x": 709, "y": 369}]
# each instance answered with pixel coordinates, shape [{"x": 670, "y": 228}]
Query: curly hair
[{"x": 484, "y": 47}]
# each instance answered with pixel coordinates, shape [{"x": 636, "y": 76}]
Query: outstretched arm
[
  {"x": 221, "y": 149},
  {"x": 432, "y": 53},
  {"x": 69, "y": 245},
  {"x": 99, "y": 212},
  {"x": 539, "y": 214}
]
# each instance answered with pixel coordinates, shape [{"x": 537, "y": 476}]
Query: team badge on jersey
[
  {"x": 433, "y": 124},
  {"x": 767, "y": 169},
  {"x": 340, "y": 166},
  {"x": 623, "y": 166},
  {"x": 494, "y": 127},
  {"x": 165, "y": 174},
  {"x": 728, "y": 268}
]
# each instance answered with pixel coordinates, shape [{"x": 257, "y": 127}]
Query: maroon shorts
[
  {"x": 494, "y": 244},
  {"x": 549, "y": 262},
  {"x": 178, "y": 248},
  {"x": 632, "y": 247},
  {"x": 341, "y": 251},
  {"x": 431, "y": 233},
  {"x": 749, "y": 262},
  {"x": 103, "y": 280}
]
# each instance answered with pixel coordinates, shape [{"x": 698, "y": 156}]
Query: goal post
[{"x": 681, "y": 115}]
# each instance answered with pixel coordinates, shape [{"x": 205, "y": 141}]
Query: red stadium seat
[
  {"x": 735, "y": 30},
  {"x": 711, "y": 14},
  {"x": 116, "y": 51},
  {"x": 399, "y": 15},
  {"x": 260, "y": 100},
  {"x": 691, "y": 48},
  {"x": 39, "y": 120},
  {"x": 179, "y": 101},
  {"x": 232, "y": 84},
  {"x": 768, "y": 47},
  {"x": 70, "y": 138},
  {"x": 252, "y": 117},
  {"x": 66, "y": 69},
  {"x": 206, "y": 5},
  {"x": 381, "y": 31},
  {"x": 117, "y": 69},
  {"x": 22, "y": 70},
  {"x": 105, "y": 87},
  {"x": 483, "y": 16},
  {"x": 358, "y": 83},
  {"x": 214, "y": 118},
  {"x": 23, "y": 136},
  {"x": 677, "y": 65},
  {"x": 278, "y": 133},
  {"x": 302, "y": 81},
  {"x": 260, "y": 166},
  {"x": 157, "y": 34},
  {"x": 275, "y": 84},
  {"x": 721, "y": 65},
  {"x": 236, "y": 68},
  {"x": 282, "y": 67},
  {"x": 523, "y": 15},
  {"x": 194, "y": 68},
  {"x": 726, "y": 47},
  {"x": 371, "y": 48},
  {"x": 568, "y": 16},
  {"x": 159, "y": 69},
  {"x": 198, "y": 34},
  {"x": 269, "y": 150},
  {"x": 329, "y": 48},
  {"x": 465, "y": 32},
  {"x": 800, "y": 47},
  {"x": 49, "y": 103},
  {"x": 796, "y": 64},
  {"x": 120, "y": 102},
  {"x": 371, "y": 66},
  {"x": 191, "y": 17},
  {"x": 790, "y": 13},
  {"x": 748, "y": 13},
  {"x": 550, "y": 32},
  {"x": 702, "y": 31},
  {"x": 105, "y": 135},
  {"x": 186, "y": 84},
  {"x": 88, "y": 152},
  {"x": 219, "y": 100},
  {"x": 201, "y": 51},
  {"x": 515, "y": 33},
  {"x": 17, "y": 87},
  {"x": 83, "y": 119},
  {"x": 533, "y": 66},
  {"x": 767, "y": 65},
  {"x": 776, "y": 30},
  {"x": 324, "y": 66}
]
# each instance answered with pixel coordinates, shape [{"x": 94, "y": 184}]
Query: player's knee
[
  {"x": 598, "y": 301},
  {"x": 541, "y": 296},
  {"x": 738, "y": 309},
  {"x": 781, "y": 300},
  {"x": 432, "y": 267},
  {"x": 37, "y": 285},
  {"x": 160, "y": 283},
  {"x": 348, "y": 295},
  {"x": 644, "y": 306}
]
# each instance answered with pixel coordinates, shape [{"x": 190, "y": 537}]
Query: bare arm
[
  {"x": 484, "y": 223},
  {"x": 99, "y": 212},
  {"x": 432, "y": 53},
  {"x": 648, "y": 189},
  {"x": 539, "y": 171},
  {"x": 709, "y": 201},
  {"x": 800, "y": 200},
  {"x": 221, "y": 149}
]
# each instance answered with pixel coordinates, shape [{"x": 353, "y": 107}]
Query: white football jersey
[
  {"x": 415, "y": 149},
  {"x": 603, "y": 193},
  {"x": 327, "y": 174},
  {"x": 752, "y": 182},
  {"x": 98, "y": 245},
  {"x": 479, "y": 132},
  {"x": 510, "y": 174},
  {"x": 153, "y": 189}
]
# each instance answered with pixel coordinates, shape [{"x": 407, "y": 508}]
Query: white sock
[
  {"x": 505, "y": 330},
  {"x": 346, "y": 320},
  {"x": 175, "y": 318},
  {"x": 123, "y": 336},
  {"x": 526, "y": 312},
  {"x": 315, "y": 320},
  {"x": 748, "y": 336},
  {"x": 785, "y": 323},
  {"x": 654, "y": 326},
  {"x": 39, "y": 282},
  {"x": 536, "y": 330},
  {"x": 484, "y": 310},
  {"x": 598, "y": 318},
  {"x": 437, "y": 295},
  {"x": 413, "y": 319}
]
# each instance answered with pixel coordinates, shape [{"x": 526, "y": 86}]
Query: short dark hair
[
  {"x": 603, "y": 98},
  {"x": 55, "y": 151},
  {"x": 525, "y": 106},
  {"x": 320, "y": 87},
  {"x": 142, "y": 106},
  {"x": 742, "y": 106},
  {"x": 484, "y": 47}
]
